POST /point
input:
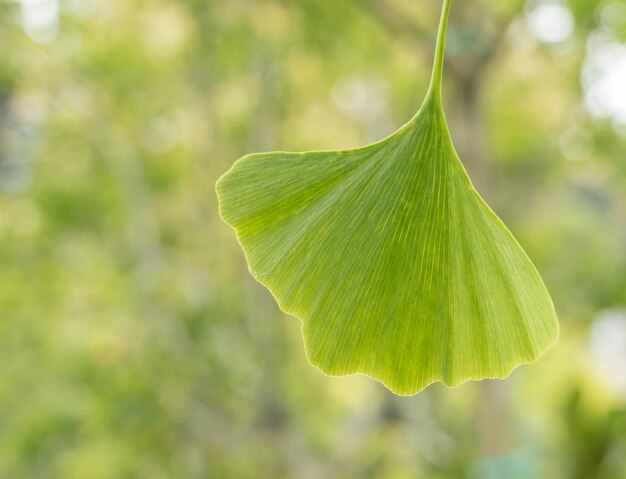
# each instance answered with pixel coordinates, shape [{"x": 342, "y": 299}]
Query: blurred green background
[{"x": 133, "y": 342}]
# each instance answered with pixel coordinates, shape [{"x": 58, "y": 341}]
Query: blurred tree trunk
[
  {"x": 468, "y": 133},
  {"x": 465, "y": 72}
]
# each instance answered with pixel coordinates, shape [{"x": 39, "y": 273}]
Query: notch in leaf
[{"x": 395, "y": 265}]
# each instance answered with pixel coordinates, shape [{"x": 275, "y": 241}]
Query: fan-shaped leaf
[{"x": 395, "y": 265}]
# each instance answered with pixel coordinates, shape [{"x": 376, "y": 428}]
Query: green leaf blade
[{"x": 395, "y": 265}]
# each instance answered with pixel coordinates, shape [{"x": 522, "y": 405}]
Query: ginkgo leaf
[{"x": 395, "y": 265}]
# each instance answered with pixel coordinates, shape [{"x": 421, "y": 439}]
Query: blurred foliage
[{"x": 133, "y": 342}]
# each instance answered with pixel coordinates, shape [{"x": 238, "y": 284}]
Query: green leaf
[{"x": 395, "y": 265}]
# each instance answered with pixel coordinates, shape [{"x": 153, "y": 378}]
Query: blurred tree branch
[{"x": 399, "y": 23}]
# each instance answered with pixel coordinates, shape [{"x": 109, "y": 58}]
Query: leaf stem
[{"x": 436, "y": 80}]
